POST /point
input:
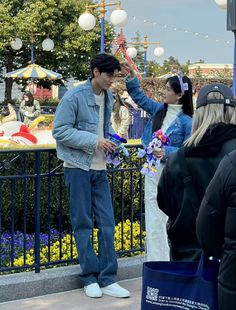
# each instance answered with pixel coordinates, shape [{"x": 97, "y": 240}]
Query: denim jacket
[
  {"x": 178, "y": 131},
  {"x": 75, "y": 126}
]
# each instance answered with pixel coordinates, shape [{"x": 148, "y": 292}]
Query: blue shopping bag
[{"x": 180, "y": 285}]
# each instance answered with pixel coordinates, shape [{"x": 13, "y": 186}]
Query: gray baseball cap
[{"x": 224, "y": 90}]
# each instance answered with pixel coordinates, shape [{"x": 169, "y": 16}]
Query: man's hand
[{"x": 106, "y": 145}]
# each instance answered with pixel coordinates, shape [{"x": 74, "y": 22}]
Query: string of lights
[{"x": 167, "y": 27}]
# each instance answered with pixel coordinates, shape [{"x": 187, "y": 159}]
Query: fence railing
[
  {"x": 34, "y": 215},
  {"x": 138, "y": 120}
]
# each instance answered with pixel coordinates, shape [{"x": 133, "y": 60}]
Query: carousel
[{"x": 15, "y": 134}]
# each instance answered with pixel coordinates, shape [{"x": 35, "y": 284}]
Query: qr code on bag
[{"x": 152, "y": 293}]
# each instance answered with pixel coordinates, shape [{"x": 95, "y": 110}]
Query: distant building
[{"x": 210, "y": 70}]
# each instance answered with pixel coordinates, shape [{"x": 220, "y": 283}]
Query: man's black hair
[{"x": 105, "y": 63}]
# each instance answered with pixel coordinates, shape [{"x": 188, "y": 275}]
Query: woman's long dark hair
[
  {"x": 31, "y": 98},
  {"x": 186, "y": 101},
  {"x": 118, "y": 102}
]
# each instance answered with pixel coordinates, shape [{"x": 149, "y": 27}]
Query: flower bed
[{"x": 128, "y": 237}]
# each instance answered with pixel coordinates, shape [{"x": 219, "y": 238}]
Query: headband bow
[{"x": 183, "y": 86}]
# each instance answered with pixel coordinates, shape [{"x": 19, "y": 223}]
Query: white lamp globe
[
  {"x": 16, "y": 44},
  {"x": 222, "y": 4},
  {"x": 119, "y": 18},
  {"x": 48, "y": 44},
  {"x": 131, "y": 52},
  {"x": 87, "y": 21},
  {"x": 159, "y": 51}
]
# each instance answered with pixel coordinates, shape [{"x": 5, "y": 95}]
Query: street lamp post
[
  {"x": 47, "y": 45},
  {"x": 230, "y": 5},
  {"x": 132, "y": 52},
  {"x": 118, "y": 18}
]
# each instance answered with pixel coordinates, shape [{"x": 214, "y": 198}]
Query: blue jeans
[{"x": 89, "y": 196}]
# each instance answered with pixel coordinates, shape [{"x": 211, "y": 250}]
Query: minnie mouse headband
[{"x": 183, "y": 86}]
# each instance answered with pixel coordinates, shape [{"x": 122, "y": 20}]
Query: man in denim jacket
[{"x": 81, "y": 127}]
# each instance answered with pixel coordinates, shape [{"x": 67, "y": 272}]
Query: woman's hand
[
  {"x": 159, "y": 154},
  {"x": 126, "y": 70}
]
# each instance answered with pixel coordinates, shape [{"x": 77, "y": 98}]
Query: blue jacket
[
  {"x": 75, "y": 126},
  {"x": 179, "y": 130}
]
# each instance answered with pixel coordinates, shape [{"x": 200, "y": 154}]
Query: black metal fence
[
  {"x": 34, "y": 218},
  {"x": 138, "y": 120}
]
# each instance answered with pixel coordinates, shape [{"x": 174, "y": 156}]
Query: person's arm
[
  {"x": 67, "y": 132},
  {"x": 23, "y": 107},
  {"x": 125, "y": 121},
  {"x": 168, "y": 149},
  {"x": 187, "y": 130},
  {"x": 138, "y": 96},
  {"x": 136, "y": 93},
  {"x": 211, "y": 216},
  {"x": 37, "y": 108}
]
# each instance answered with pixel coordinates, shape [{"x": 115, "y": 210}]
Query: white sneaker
[
  {"x": 93, "y": 290},
  {"x": 115, "y": 290}
]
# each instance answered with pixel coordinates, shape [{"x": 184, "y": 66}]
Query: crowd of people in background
[{"x": 28, "y": 110}]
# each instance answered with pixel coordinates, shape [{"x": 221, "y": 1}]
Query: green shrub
[
  {"x": 49, "y": 102},
  {"x": 18, "y": 195}
]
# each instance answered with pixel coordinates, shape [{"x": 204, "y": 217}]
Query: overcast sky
[{"x": 200, "y": 29}]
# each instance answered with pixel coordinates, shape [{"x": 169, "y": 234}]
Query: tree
[
  {"x": 139, "y": 59},
  {"x": 198, "y": 73},
  {"x": 171, "y": 63},
  {"x": 154, "y": 69},
  {"x": 57, "y": 18},
  {"x": 184, "y": 67}
]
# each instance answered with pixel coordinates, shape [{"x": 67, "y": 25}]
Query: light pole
[
  {"x": 118, "y": 18},
  {"x": 47, "y": 45},
  {"x": 230, "y": 5},
  {"x": 132, "y": 52}
]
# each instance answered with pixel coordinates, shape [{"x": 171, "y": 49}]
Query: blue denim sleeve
[
  {"x": 65, "y": 131},
  {"x": 111, "y": 130},
  {"x": 188, "y": 129},
  {"x": 169, "y": 149},
  {"x": 138, "y": 96}
]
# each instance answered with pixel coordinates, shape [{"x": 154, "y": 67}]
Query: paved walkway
[{"x": 76, "y": 300}]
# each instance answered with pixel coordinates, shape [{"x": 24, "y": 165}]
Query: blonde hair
[{"x": 210, "y": 114}]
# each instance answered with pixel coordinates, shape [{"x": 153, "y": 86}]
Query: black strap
[{"x": 187, "y": 179}]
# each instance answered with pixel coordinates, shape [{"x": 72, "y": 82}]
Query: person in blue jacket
[
  {"x": 81, "y": 128},
  {"x": 174, "y": 117}
]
